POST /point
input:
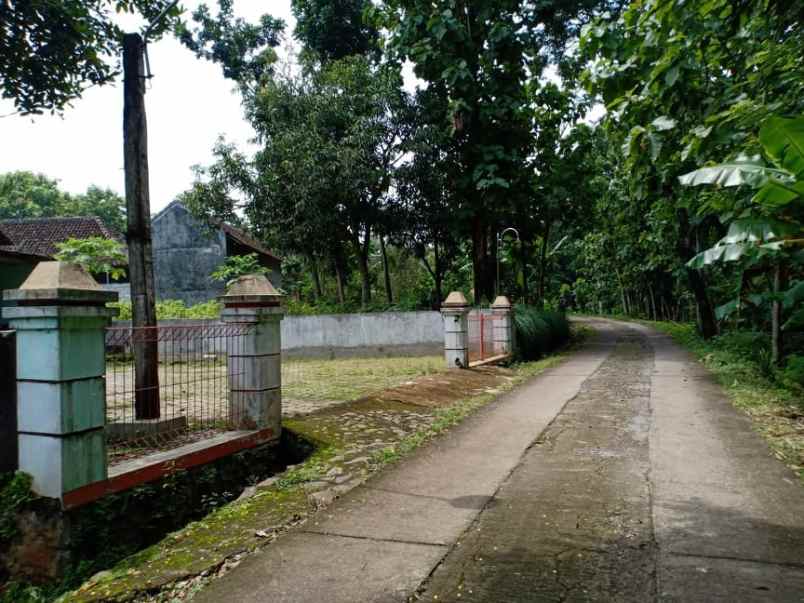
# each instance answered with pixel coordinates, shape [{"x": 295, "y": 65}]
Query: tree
[
  {"x": 238, "y": 265},
  {"x": 424, "y": 217},
  {"x": 96, "y": 255},
  {"x": 51, "y": 51},
  {"x": 29, "y": 195},
  {"x": 769, "y": 234},
  {"x": 686, "y": 83},
  {"x": 244, "y": 50},
  {"x": 485, "y": 54},
  {"x": 330, "y": 142},
  {"x": 334, "y": 29}
]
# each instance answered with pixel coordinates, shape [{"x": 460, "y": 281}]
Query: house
[
  {"x": 185, "y": 251},
  {"x": 15, "y": 267},
  {"x": 25, "y": 242}
]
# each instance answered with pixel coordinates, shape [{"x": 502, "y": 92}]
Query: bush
[
  {"x": 538, "y": 332},
  {"x": 793, "y": 373},
  {"x": 173, "y": 308}
]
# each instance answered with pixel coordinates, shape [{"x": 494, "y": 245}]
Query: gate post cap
[
  {"x": 501, "y": 303},
  {"x": 252, "y": 288},
  {"x": 456, "y": 299},
  {"x": 56, "y": 281}
]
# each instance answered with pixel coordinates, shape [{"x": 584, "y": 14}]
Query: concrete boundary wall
[{"x": 337, "y": 335}]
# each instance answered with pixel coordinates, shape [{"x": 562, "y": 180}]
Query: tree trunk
[
  {"x": 707, "y": 324},
  {"x": 438, "y": 275},
  {"x": 138, "y": 236},
  {"x": 777, "y": 339},
  {"x": 483, "y": 275},
  {"x": 389, "y": 294},
  {"x": 523, "y": 261},
  {"x": 339, "y": 278},
  {"x": 317, "y": 290},
  {"x": 362, "y": 248},
  {"x": 622, "y": 292},
  {"x": 543, "y": 264}
]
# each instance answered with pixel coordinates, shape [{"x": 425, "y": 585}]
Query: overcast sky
[{"x": 189, "y": 104}]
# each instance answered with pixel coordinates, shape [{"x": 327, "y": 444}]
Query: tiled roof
[
  {"x": 38, "y": 236},
  {"x": 244, "y": 239}
]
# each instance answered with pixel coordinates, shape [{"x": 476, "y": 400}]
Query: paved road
[{"x": 621, "y": 475}]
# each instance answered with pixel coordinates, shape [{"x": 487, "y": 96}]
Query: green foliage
[
  {"x": 334, "y": 29},
  {"x": 793, "y": 373},
  {"x": 52, "y": 51},
  {"x": 170, "y": 309},
  {"x": 96, "y": 255},
  {"x": 28, "y": 195},
  {"x": 238, "y": 265},
  {"x": 538, "y": 332},
  {"x": 245, "y": 51},
  {"x": 15, "y": 492}
]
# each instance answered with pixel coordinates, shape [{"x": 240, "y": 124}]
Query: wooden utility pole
[{"x": 138, "y": 235}]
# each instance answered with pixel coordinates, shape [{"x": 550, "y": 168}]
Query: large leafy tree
[
  {"x": 482, "y": 54},
  {"x": 486, "y": 54},
  {"x": 334, "y": 29},
  {"x": 244, "y": 50},
  {"x": 321, "y": 182},
  {"x": 51, "y": 51},
  {"x": 29, "y": 195}
]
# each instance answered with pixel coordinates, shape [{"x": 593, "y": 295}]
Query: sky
[{"x": 189, "y": 105}]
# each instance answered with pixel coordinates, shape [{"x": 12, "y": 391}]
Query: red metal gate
[{"x": 481, "y": 335}]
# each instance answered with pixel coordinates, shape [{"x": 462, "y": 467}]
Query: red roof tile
[{"x": 38, "y": 236}]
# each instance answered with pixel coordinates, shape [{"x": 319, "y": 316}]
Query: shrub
[
  {"x": 173, "y": 308},
  {"x": 538, "y": 332},
  {"x": 793, "y": 373}
]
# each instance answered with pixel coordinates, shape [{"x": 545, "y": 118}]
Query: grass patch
[
  {"x": 739, "y": 365},
  {"x": 345, "y": 379}
]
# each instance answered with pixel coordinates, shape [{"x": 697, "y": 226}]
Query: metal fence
[
  {"x": 481, "y": 335},
  {"x": 199, "y": 365},
  {"x": 188, "y": 397}
]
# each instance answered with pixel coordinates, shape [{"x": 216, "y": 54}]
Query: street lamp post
[{"x": 500, "y": 236}]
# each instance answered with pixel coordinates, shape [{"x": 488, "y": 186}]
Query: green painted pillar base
[{"x": 60, "y": 317}]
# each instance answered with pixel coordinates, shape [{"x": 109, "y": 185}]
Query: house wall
[
  {"x": 186, "y": 252},
  {"x": 12, "y": 274}
]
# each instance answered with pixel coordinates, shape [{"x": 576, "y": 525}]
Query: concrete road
[{"x": 621, "y": 475}]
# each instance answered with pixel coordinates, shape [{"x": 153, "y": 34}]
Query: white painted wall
[{"x": 338, "y": 334}]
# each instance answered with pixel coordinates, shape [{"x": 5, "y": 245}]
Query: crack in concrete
[{"x": 372, "y": 539}]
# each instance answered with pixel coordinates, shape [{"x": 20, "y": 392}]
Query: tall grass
[{"x": 538, "y": 332}]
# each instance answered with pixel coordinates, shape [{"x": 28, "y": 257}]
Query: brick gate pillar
[
  {"x": 60, "y": 318},
  {"x": 455, "y": 311},
  {"x": 503, "y": 325},
  {"x": 255, "y": 362}
]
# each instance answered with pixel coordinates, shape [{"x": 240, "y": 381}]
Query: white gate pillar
[
  {"x": 255, "y": 363},
  {"x": 503, "y": 325},
  {"x": 455, "y": 311}
]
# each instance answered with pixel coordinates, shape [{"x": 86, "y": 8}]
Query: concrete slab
[{"x": 356, "y": 552}]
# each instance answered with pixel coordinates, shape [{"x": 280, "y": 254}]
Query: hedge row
[{"x": 538, "y": 332}]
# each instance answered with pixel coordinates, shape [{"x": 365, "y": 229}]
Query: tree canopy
[
  {"x": 29, "y": 195},
  {"x": 50, "y": 52}
]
